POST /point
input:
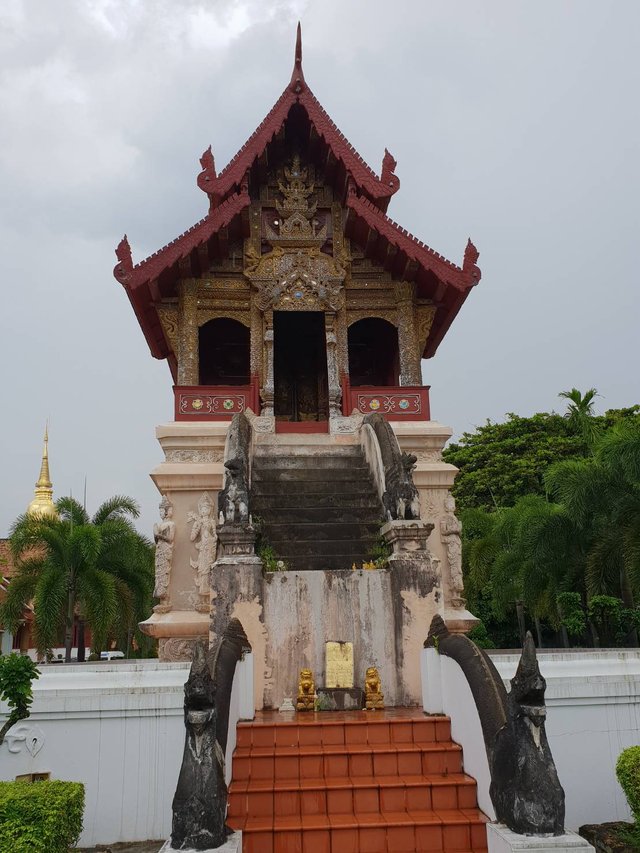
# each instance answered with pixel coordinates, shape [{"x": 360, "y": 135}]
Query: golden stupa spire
[{"x": 42, "y": 504}]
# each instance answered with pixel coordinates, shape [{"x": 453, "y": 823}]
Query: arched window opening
[
  {"x": 224, "y": 352},
  {"x": 373, "y": 353}
]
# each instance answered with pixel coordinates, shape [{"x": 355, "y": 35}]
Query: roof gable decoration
[
  {"x": 365, "y": 202},
  {"x": 218, "y": 186}
]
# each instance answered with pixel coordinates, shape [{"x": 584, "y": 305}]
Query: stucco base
[
  {"x": 289, "y": 616},
  {"x": 233, "y": 844},
  {"x": 502, "y": 840}
]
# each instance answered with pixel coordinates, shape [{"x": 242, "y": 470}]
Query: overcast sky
[{"x": 513, "y": 123}]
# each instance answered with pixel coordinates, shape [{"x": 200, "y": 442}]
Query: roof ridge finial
[{"x": 297, "y": 83}]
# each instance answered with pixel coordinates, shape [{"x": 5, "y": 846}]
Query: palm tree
[
  {"x": 580, "y": 414},
  {"x": 526, "y": 554},
  {"x": 601, "y": 494},
  {"x": 99, "y": 568}
]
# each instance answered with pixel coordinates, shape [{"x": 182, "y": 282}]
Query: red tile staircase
[{"x": 353, "y": 782}]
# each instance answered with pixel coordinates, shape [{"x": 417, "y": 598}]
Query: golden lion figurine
[
  {"x": 374, "y": 698},
  {"x": 306, "y": 691}
]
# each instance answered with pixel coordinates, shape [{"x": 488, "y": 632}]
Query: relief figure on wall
[
  {"x": 164, "y": 533},
  {"x": 203, "y": 534},
  {"x": 450, "y": 530}
]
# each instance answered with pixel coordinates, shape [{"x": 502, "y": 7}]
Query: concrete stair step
[
  {"x": 326, "y": 548},
  {"x": 273, "y": 516},
  {"x": 325, "y": 460},
  {"x": 305, "y": 445},
  {"x": 288, "y": 501},
  {"x": 324, "y": 562},
  {"x": 338, "y": 489},
  {"x": 329, "y": 475},
  {"x": 318, "y": 532}
]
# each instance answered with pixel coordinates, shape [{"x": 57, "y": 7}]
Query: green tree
[
  {"x": 580, "y": 414},
  {"x": 17, "y": 672},
  {"x": 522, "y": 557},
  {"x": 601, "y": 495},
  {"x": 501, "y": 462},
  {"x": 98, "y": 568}
]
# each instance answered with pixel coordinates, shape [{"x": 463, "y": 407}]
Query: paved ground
[{"x": 139, "y": 847}]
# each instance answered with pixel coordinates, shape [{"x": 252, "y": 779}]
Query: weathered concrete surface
[
  {"x": 383, "y": 612},
  {"x": 236, "y": 593}
]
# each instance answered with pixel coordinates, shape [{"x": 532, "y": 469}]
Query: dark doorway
[
  {"x": 373, "y": 353},
  {"x": 300, "y": 366},
  {"x": 224, "y": 352}
]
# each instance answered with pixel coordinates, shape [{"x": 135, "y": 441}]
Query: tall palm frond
[
  {"x": 118, "y": 506},
  {"x": 70, "y": 510},
  {"x": 49, "y": 605},
  {"x": 20, "y": 592}
]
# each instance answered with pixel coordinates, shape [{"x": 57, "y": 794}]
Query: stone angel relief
[
  {"x": 164, "y": 533},
  {"x": 450, "y": 530},
  {"x": 203, "y": 534}
]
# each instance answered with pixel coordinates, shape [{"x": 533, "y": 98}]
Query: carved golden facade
[{"x": 296, "y": 258}]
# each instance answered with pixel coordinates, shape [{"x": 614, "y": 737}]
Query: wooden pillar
[
  {"x": 256, "y": 341},
  {"x": 267, "y": 392},
  {"x": 333, "y": 374},
  {"x": 188, "y": 355},
  {"x": 410, "y": 373}
]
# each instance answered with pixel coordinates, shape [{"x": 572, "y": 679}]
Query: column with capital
[
  {"x": 267, "y": 392},
  {"x": 410, "y": 373},
  {"x": 188, "y": 354}
]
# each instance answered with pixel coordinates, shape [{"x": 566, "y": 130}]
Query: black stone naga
[
  {"x": 525, "y": 790},
  {"x": 233, "y": 499},
  {"x": 200, "y": 801},
  {"x": 401, "y": 499}
]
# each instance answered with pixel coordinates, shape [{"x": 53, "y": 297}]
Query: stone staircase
[
  {"x": 319, "y": 510},
  {"x": 353, "y": 782}
]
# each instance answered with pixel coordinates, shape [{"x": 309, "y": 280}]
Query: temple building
[{"x": 303, "y": 487}]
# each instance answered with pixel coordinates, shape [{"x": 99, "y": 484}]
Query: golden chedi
[
  {"x": 374, "y": 698},
  {"x": 306, "y": 691},
  {"x": 42, "y": 505}
]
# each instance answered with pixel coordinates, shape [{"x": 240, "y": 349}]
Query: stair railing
[
  {"x": 391, "y": 469},
  {"x": 218, "y": 692},
  {"x": 233, "y": 498}
]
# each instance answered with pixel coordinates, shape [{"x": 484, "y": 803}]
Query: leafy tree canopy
[{"x": 501, "y": 462}]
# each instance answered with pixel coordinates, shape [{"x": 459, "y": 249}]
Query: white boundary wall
[
  {"x": 593, "y": 701},
  {"x": 119, "y": 729}
]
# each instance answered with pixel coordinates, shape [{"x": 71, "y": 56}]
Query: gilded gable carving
[{"x": 168, "y": 315}]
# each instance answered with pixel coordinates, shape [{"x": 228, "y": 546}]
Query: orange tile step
[
  {"x": 355, "y": 781},
  {"x": 340, "y": 761},
  {"x": 447, "y": 830},
  {"x": 352, "y": 795},
  {"x": 321, "y": 729}
]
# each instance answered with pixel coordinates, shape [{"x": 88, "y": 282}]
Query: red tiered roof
[{"x": 365, "y": 196}]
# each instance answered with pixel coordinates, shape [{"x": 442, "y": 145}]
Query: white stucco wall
[
  {"x": 446, "y": 690},
  {"x": 593, "y": 701},
  {"x": 118, "y": 727}
]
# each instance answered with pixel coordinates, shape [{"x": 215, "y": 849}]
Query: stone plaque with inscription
[{"x": 339, "y": 665}]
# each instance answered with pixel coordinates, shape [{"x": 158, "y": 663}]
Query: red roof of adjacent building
[{"x": 365, "y": 196}]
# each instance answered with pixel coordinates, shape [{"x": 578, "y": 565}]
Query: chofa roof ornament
[{"x": 297, "y": 83}]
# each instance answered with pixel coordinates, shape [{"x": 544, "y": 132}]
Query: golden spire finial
[{"x": 42, "y": 504}]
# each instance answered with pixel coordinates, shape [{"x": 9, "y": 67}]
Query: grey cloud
[{"x": 516, "y": 124}]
